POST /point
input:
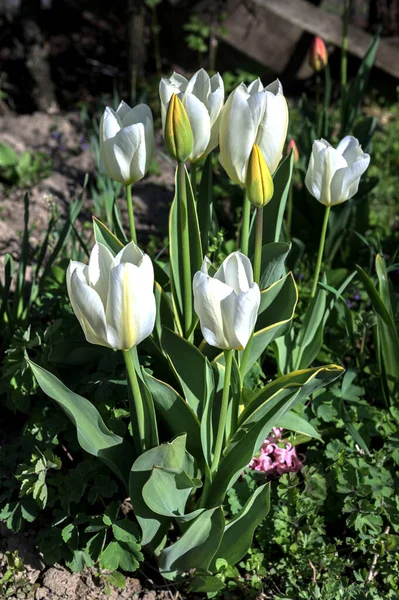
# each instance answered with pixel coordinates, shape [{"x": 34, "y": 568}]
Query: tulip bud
[
  {"x": 113, "y": 297},
  {"x": 259, "y": 184},
  {"x": 292, "y": 146},
  {"x": 318, "y": 55},
  {"x": 227, "y": 303},
  {"x": 178, "y": 132},
  {"x": 333, "y": 174}
]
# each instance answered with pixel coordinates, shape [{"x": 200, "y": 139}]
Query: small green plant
[{"x": 24, "y": 169}]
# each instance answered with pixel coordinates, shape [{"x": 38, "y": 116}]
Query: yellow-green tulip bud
[
  {"x": 259, "y": 183},
  {"x": 178, "y": 132}
]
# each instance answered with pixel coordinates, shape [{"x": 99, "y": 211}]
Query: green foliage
[{"x": 24, "y": 170}]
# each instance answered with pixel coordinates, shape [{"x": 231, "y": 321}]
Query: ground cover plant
[{"x": 222, "y": 410}]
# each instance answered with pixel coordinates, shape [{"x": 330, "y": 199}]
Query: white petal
[
  {"x": 179, "y": 81},
  {"x": 110, "y": 124},
  {"x": 208, "y": 297},
  {"x": 236, "y": 135},
  {"x": 130, "y": 307},
  {"x": 272, "y": 131},
  {"x": 89, "y": 310},
  {"x": 122, "y": 109},
  {"x": 129, "y": 151},
  {"x": 255, "y": 87},
  {"x": 324, "y": 162},
  {"x": 245, "y": 314},
  {"x": 130, "y": 253},
  {"x": 100, "y": 264},
  {"x": 200, "y": 86},
  {"x": 236, "y": 272},
  {"x": 275, "y": 87},
  {"x": 345, "y": 182},
  {"x": 350, "y": 149},
  {"x": 200, "y": 124}
]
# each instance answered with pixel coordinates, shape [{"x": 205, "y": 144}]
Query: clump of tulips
[{"x": 208, "y": 323}]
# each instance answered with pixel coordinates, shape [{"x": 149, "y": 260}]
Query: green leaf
[
  {"x": 121, "y": 555},
  {"x": 191, "y": 368},
  {"x": 294, "y": 422},
  {"x": 204, "y": 205},
  {"x": 272, "y": 263},
  {"x": 238, "y": 533},
  {"x": 273, "y": 212},
  {"x": 164, "y": 312},
  {"x": 170, "y": 455},
  {"x": 344, "y": 415},
  {"x": 176, "y": 414},
  {"x": 167, "y": 491},
  {"x": 206, "y": 583},
  {"x": 93, "y": 435},
  {"x": 8, "y": 156},
  {"x": 196, "y": 547},
  {"x": 175, "y": 245},
  {"x": 260, "y": 416},
  {"x": 104, "y": 236}
]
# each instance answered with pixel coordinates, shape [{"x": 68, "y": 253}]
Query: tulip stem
[
  {"x": 321, "y": 250},
  {"x": 129, "y": 202},
  {"x": 137, "y": 410},
  {"x": 228, "y": 354},
  {"x": 193, "y": 179},
  {"x": 185, "y": 245},
  {"x": 246, "y": 217},
  {"x": 289, "y": 210},
  {"x": 344, "y": 62},
  {"x": 258, "y": 244}
]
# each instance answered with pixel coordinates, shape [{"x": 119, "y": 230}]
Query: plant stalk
[
  {"x": 321, "y": 250},
  {"x": 344, "y": 61},
  {"x": 187, "y": 293},
  {"x": 223, "y": 410},
  {"x": 193, "y": 179},
  {"x": 137, "y": 410},
  {"x": 246, "y": 217},
  {"x": 130, "y": 212},
  {"x": 289, "y": 210},
  {"x": 258, "y": 244}
]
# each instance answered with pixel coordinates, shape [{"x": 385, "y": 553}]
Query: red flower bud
[
  {"x": 292, "y": 146},
  {"x": 318, "y": 55}
]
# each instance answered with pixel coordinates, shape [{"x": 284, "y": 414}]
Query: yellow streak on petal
[{"x": 128, "y": 316}]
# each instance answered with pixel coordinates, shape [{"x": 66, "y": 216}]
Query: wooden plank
[{"x": 329, "y": 27}]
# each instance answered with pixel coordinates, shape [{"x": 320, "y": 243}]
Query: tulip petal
[
  {"x": 200, "y": 124},
  {"x": 345, "y": 182},
  {"x": 122, "y": 109},
  {"x": 110, "y": 125},
  {"x": 130, "y": 154},
  {"x": 236, "y": 272},
  {"x": 89, "y": 310},
  {"x": 255, "y": 87},
  {"x": 208, "y": 297},
  {"x": 130, "y": 253},
  {"x": 200, "y": 86},
  {"x": 244, "y": 315},
  {"x": 350, "y": 149},
  {"x": 99, "y": 267},
  {"x": 324, "y": 162},
  {"x": 142, "y": 114},
  {"x": 272, "y": 131},
  {"x": 236, "y": 136},
  {"x": 130, "y": 307}
]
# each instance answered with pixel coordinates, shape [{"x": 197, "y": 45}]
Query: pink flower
[{"x": 276, "y": 456}]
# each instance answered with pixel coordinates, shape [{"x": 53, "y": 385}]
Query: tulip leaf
[
  {"x": 204, "y": 205},
  {"x": 272, "y": 263},
  {"x": 273, "y": 212},
  {"x": 197, "y": 546},
  {"x": 164, "y": 312},
  {"x": 238, "y": 533},
  {"x": 260, "y": 416},
  {"x": 206, "y": 583},
  {"x": 294, "y": 422},
  {"x": 170, "y": 455},
  {"x": 177, "y": 224},
  {"x": 176, "y": 414},
  {"x": 93, "y": 435},
  {"x": 104, "y": 236},
  {"x": 191, "y": 368},
  {"x": 167, "y": 491},
  {"x": 388, "y": 340}
]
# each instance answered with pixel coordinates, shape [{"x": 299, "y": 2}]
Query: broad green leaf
[
  {"x": 167, "y": 491},
  {"x": 344, "y": 415},
  {"x": 388, "y": 340},
  {"x": 238, "y": 533},
  {"x": 164, "y": 312},
  {"x": 104, "y": 236},
  {"x": 8, "y": 156},
  {"x": 364, "y": 131},
  {"x": 294, "y": 422},
  {"x": 93, "y": 435},
  {"x": 175, "y": 248},
  {"x": 272, "y": 264},
  {"x": 196, "y": 547},
  {"x": 176, "y": 414},
  {"x": 204, "y": 205},
  {"x": 260, "y": 416},
  {"x": 191, "y": 368},
  {"x": 170, "y": 455},
  {"x": 121, "y": 555},
  {"x": 206, "y": 583}
]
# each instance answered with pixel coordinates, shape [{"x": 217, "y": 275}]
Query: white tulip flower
[
  {"x": 202, "y": 97},
  {"x": 227, "y": 303},
  {"x": 334, "y": 173},
  {"x": 113, "y": 297},
  {"x": 126, "y": 142},
  {"x": 252, "y": 115}
]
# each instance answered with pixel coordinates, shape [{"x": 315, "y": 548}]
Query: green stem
[
  {"x": 321, "y": 250},
  {"x": 258, "y": 244},
  {"x": 137, "y": 410},
  {"x": 129, "y": 202},
  {"x": 289, "y": 211},
  {"x": 344, "y": 61},
  {"x": 182, "y": 206},
  {"x": 193, "y": 179},
  {"x": 246, "y": 217},
  {"x": 223, "y": 410}
]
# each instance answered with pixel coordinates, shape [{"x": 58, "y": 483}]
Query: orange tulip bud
[
  {"x": 318, "y": 55},
  {"x": 292, "y": 146}
]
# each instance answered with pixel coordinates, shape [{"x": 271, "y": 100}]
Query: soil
[{"x": 61, "y": 137}]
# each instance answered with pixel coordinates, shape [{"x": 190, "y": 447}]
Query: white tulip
[
  {"x": 126, "y": 142},
  {"x": 113, "y": 297},
  {"x": 252, "y": 115},
  {"x": 202, "y": 97},
  {"x": 333, "y": 174},
  {"x": 227, "y": 303}
]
